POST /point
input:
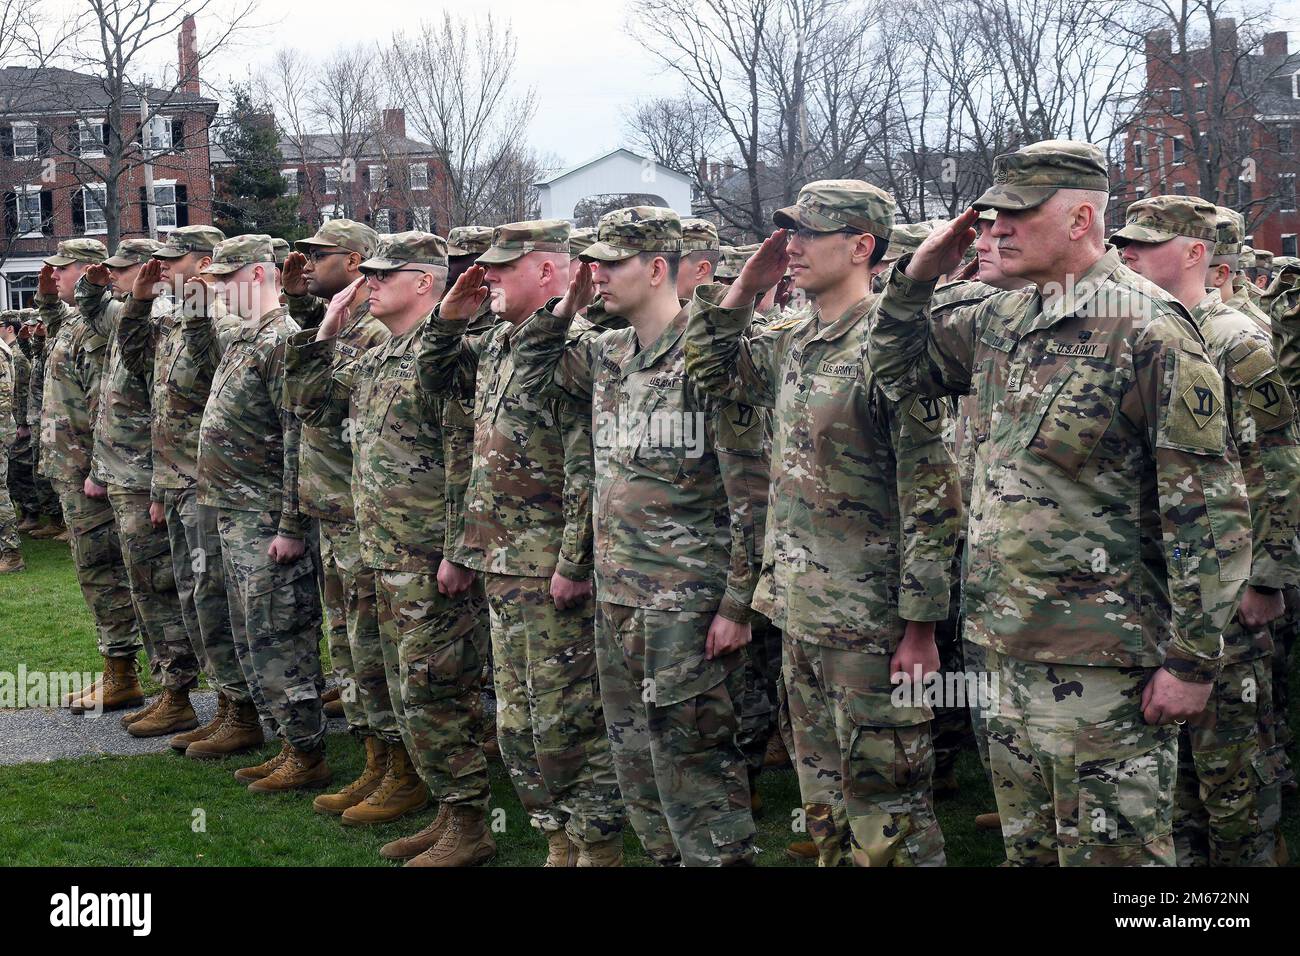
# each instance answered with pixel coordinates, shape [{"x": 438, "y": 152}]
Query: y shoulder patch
[
  {"x": 740, "y": 428},
  {"x": 1193, "y": 415},
  {"x": 924, "y": 418}
]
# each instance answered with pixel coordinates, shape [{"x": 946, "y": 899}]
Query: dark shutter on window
[
  {"x": 144, "y": 210},
  {"x": 182, "y": 204},
  {"x": 78, "y": 211},
  {"x": 301, "y": 179},
  {"x": 47, "y": 212},
  {"x": 44, "y": 142},
  {"x": 6, "y": 141},
  {"x": 74, "y": 140},
  {"x": 11, "y": 213},
  {"x": 178, "y": 134}
]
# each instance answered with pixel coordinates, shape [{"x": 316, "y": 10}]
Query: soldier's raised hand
[
  {"x": 465, "y": 297},
  {"x": 942, "y": 251},
  {"x": 45, "y": 283},
  {"x": 145, "y": 287},
  {"x": 763, "y": 271},
  {"x": 582, "y": 289},
  {"x": 98, "y": 274},
  {"x": 292, "y": 279},
  {"x": 339, "y": 309}
]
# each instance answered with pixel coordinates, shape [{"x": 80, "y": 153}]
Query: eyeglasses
[
  {"x": 805, "y": 234},
  {"x": 382, "y": 277},
  {"x": 316, "y": 256}
]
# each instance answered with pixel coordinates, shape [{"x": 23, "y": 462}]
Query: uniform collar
[
  {"x": 1075, "y": 297},
  {"x": 668, "y": 338},
  {"x": 247, "y": 332},
  {"x": 849, "y": 320}
]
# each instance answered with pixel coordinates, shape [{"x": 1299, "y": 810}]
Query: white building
[{"x": 616, "y": 173}]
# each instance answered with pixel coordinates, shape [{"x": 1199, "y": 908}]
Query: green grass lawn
[{"x": 165, "y": 810}]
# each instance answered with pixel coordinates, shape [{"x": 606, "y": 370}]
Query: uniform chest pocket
[
  {"x": 1072, "y": 415},
  {"x": 182, "y": 376},
  {"x": 233, "y": 372},
  {"x": 661, "y": 434},
  {"x": 379, "y": 402}
]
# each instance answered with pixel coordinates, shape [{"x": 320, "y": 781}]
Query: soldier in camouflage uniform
[
  {"x": 851, "y": 616},
  {"x": 122, "y": 465},
  {"x": 1228, "y": 798},
  {"x": 432, "y": 641},
  {"x": 248, "y": 472},
  {"x": 523, "y": 524},
  {"x": 74, "y": 366},
  {"x": 48, "y": 516},
  {"x": 22, "y": 491},
  {"x": 676, "y": 558},
  {"x": 1096, "y": 397},
  {"x": 11, "y": 555},
  {"x": 320, "y": 268}
]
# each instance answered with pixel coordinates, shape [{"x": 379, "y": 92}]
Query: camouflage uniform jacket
[
  {"x": 123, "y": 451},
  {"x": 674, "y": 526},
  {"x": 1281, "y": 301},
  {"x": 8, "y": 383},
  {"x": 21, "y": 383},
  {"x": 520, "y": 518},
  {"x": 74, "y": 367},
  {"x": 325, "y": 466},
  {"x": 248, "y": 443},
  {"x": 1262, "y": 418},
  {"x": 1109, "y": 522},
  {"x": 864, "y": 504},
  {"x": 155, "y": 353},
  {"x": 36, "y": 387},
  {"x": 399, "y": 481}
]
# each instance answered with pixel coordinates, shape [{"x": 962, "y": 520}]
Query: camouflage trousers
[
  {"x": 100, "y": 570},
  {"x": 1080, "y": 778},
  {"x": 352, "y": 631},
  {"x": 22, "y": 480},
  {"x": 550, "y": 725},
  {"x": 433, "y": 655},
  {"x": 672, "y": 720},
  {"x": 147, "y": 553},
  {"x": 201, "y": 588},
  {"x": 1228, "y": 799},
  {"x": 275, "y": 621},
  {"x": 974, "y": 660},
  {"x": 951, "y": 728},
  {"x": 864, "y": 762},
  {"x": 1284, "y": 630},
  {"x": 9, "y": 540},
  {"x": 759, "y": 701}
]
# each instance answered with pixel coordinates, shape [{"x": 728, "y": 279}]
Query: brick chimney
[
  {"x": 394, "y": 122},
  {"x": 187, "y": 56},
  {"x": 1225, "y": 33},
  {"x": 1275, "y": 43}
]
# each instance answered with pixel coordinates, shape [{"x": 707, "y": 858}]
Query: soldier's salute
[
  {"x": 248, "y": 472},
  {"x": 1109, "y": 529},
  {"x": 675, "y": 554},
  {"x": 526, "y": 531},
  {"x": 73, "y": 372},
  {"x": 862, "y": 522},
  {"x": 433, "y": 645},
  {"x": 1228, "y": 798},
  {"x": 122, "y": 467},
  {"x": 320, "y": 268}
]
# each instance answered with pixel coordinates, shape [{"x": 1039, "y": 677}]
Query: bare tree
[{"x": 455, "y": 79}]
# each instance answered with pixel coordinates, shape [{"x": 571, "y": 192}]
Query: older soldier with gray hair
[{"x": 1109, "y": 529}]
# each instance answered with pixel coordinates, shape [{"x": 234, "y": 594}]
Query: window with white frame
[
  {"x": 160, "y": 133},
  {"x": 1288, "y": 244},
  {"x": 1175, "y": 101},
  {"x": 378, "y": 178},
  {"x": 1284, "y": 139},
  {"x": 333, "y": 175},
  {"x": 383, "y": 220},
  {"x": 95, "y": 199},
  {"x": 1139, "y": 156},
  {"x": 28, "y": 202},
  {"x": 420, "y": 176},
  {"x": 422, "y": 218},
  {"x": 90, "y": 138},
  {"x": 1179, "y": 153},
  {"x": 25, "y": 141},
  {"x": 329, "y": 212},
  {"x": 1286, "y": 192},
  {"x": 164, "y": 202},
  {"x": 290, "y": 177},
  {"x": 1140, "y": 192}
]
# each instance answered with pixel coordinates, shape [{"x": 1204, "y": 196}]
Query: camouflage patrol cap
[
  {"x": 834, "y": 205},
  {"x": 733, "y": 259},
  {"x": 30, "y": 316},
  {"x": 78, "y": 250},
  {"x": 280, "y": 248},
  {"x": 343, "y": 233},
  {"x": 906, "y": 238},
  {"x": 1247, "y": 260},
  {"x": 1161, "y": 218},
  {"x": 11, "y": 317},
  {"x": 235, "y": 253},
  {"x": 1286, "y": 264},
  {"x": 580, "y": 240},
  {"x": 515, "y": 240},
  {"x": 404, "y": 248},
  {"x": 699, "y": 235},
  {"x": 1263, "y": 259},
  {"x": 1031, "y": 175},
  {"x": 132, "y": 252},
  {"x": 469, "y": 240},
  {"x": 1227, "y": 234},
  {"x": 625, "y": 233},
  {"x": 987, "y": 215},
  {"x": 186, "y": 239}
]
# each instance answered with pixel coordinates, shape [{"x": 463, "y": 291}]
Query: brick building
[
  {"x": 53, "y": 130},
  {"x": 1219, "y": 121}
]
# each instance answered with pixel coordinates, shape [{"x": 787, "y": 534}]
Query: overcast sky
[{"x": 577, "y": 54}]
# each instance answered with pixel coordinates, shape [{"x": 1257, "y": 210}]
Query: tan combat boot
[
  {"x": 131, "y": 716},
  {"x": 988, "y": 821},
  {"x": 173, "y": 713},
  {"x": 801, "y": 850},
  {"x": 11, "y": 562},
  {"x": 301, "y": 770},
  {"x": 240, "y": 731},
  {"x": 401, "y": 791},
  {"x": 265, "y": 768},
  {"x": 605, "y": 853},
  {"x": 64, "y": 535},
  {"x": 71, "y": 698},
  {"x": 29, "y": 524},
  {"x": 776, "y": 756},
  {"x": 491, "y": 746},
  {"x": 406, "y": 847},
  {"x": 465, "y": 841},
  {"x": 49, "y": 529},
  {"x": 331, "y": 704},
  {"x": 181, "y": 741},
  {"x": 120, "y": 688},
  {"x": 362, "y": 787},
  {"x": 562, "y": 851}
]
